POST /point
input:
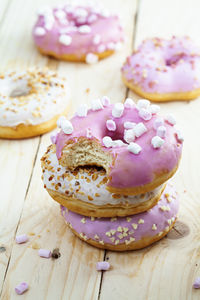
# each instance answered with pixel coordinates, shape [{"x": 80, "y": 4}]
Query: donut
[
  {"x": 31, "y": 101},
  {"x": 138, "y": 148},
  {"x": 77, "y": 33},
  {"x": 164, "y": 70},
  {"x": 127, "y": 233},
  {"x": 84, "y": 190}
]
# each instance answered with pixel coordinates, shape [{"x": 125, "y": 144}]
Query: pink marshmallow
[
  {"x": 102, "y": 265},
  {"x": 196, "y": 284},
  {"x": 110, "y": 124},
  {"x": 23, "y": 238},
  {"x": 53, "y": 138},
  {"x": 21, "y": 288},
  {"x": 44, "y": 253}
]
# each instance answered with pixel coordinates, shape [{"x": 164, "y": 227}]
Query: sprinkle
[
  {"x": 140, "y": 129},
  {"x": 65, "y": 39},
  {"x": 129, "y": 103},
  {"x": 157, "y": 142},
  {"x": 23, "y": 238},
  {"x": 101, "y": 242},
  {"x": 164, "y": 208},
  {"x": 44, "y": 253},
  {"x": 141, "y": 221},
  {"x": 101, "y": 48},
  {"x": 108, "y": 233},
  {"x": 169, "y": 221},
  {"x": 129, "y": 125},
  {"x": 145, "y": 114},
  {"x": 160, "y": 233},
  {"x": 21, "y": 288},
  {"x": 116, "y": 242},
  {"x": 128, "y": 219},
  {"x": 96, "y": 237},
  {"x": 118, "y": 110},
  {"x": 143, "y": 103},
  {"x": 134, "y": 148},
  {"x": 129, "y": 135},
  {"x": 91, "y": 58},
  {"x": 158, "y": 122},
  {"x": 67, "y": 127},
  {"x": 119, "y": 229},
  {"x": 161, "y": 131},
  {"x": 170, "y": 119},
  {"x": 135, "y": 226},
  {"x": 127, "y": 242},
  {"x": 196, "y": 284},
  {"x": 105, "y": 101},
  {"x": 96, "y": 40},
  {"x": 103, "y": 265},
  {"x": 96, "y": 104},
  {"x": 84, "y": 29},
  {"x": 39, "y": 31},
  {"x": 154, "y": 227},
  {"x": 83, "y": 220},
  {"x": 82, "y": 110},
  {"x": 113, "y": 231},
  {"x": 107, "y": 141},
  {"x": 92, "y": 218},
  {"x": 179, "y": 136},
  {"x": 111, "y": 125},
  {"x": 154, "y": 109}
]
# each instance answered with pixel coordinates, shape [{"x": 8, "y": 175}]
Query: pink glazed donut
[
  {"x": 77, "y": 33},
  {"x": 127, "y": 233},
  {"x": 164, "y": 70},
  {"x": 138, "y": 148}
]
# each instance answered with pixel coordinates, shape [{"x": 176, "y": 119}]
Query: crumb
[
  {"x": 31, "y": 233},
  {"x": 87, "y": 90},
  {"x": 48, "y": 230},
  {"x": 39, "y": 235},
  {"x": 185, "y": 191},
  {"x": 36, "y": 246},
  {"x": 56, "y": 253}
]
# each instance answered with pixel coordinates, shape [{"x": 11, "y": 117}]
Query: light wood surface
[{"x": 163, "y": 271}]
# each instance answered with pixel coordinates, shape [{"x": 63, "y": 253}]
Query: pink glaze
[
  {"x": 106, "y": 32},
  {"x": 164, "y": 66},
  {"x": 128, "y": 170},
  {"x": 147, "y": 224}
]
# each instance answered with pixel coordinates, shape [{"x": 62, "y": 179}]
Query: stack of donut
[{"x": 108, "y": 167}]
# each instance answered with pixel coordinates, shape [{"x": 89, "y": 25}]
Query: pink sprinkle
[
  {"x": 102, "y": 265},
  {"x": 44, "y": 253},
  {"x": 53, "y": 138},
  {"x": 110, "y": 124},
  {"x": 196, "y": 284},
  {"x": 105, "y": 101},
  {"x": 23, "y": 238},
  {"x": 21, "y": 288}
]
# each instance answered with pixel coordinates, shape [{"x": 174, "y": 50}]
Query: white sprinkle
[
  {"x": 161, "y": 131},
  {"x": 60, "y": 120},
  {"x": 84, "y": 29},
  {"x": 39, "y": 31},
  {"x": 91, "y": 58},
  {"x": 105, "y": 101},
  {"x": 134, "y": 148},
  {"x": 101, "y": 48},
  {"x": 154, "y": 109},
  {"x": 179, "y": 135},
  {"x": 118, "y": 110},
  {"x": 67, "y": 127},
  {"x": 170, "y": 119},
  {"x": 111, "y": 125},
  {"x": 154, "y": 227},
  {"x": 82, "y": 110},
  {"x": 129, "y": 135},
  {"x": 143, "y": 103},
  {"x": 129, "y": 125},
  {"x": 145, "y": 114},
  {"x": 158, "y": 122},
  {"x": 135, "y": 226},
  {"x": 157, "y": 142},
  {"x": 96, "y": 40},
  {"x": 65, "y": 39},
  {"x": 139, "y": 129},
  {"x": 129, "y": 103},
  {"x": 96, "y": 104},
  {"x": 107, "y": 141}
]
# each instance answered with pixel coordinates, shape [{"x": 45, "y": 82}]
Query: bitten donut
[
  {"x": 138, "y": 148},
  {"x": 127, "y": 233},
  {"x": 31, "y": 102},
  {"x": 84, "y": 190},
  {"x": 164, "y": 70},
  {"x": 77, "y": 33}
]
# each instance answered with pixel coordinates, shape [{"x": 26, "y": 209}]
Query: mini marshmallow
[
  {"x": 117, "y": 143},
  {"x": 81, "y": 12},
  {"x": 65, "y": 39},
  {"x": 53, "y": 138},
  {"x": 129, "y": 103},
  {"x": 96, "y": 40},
  {"x": 88, "y": 133},
  {"x": 179, "y": 135},
  {"x": 96, "y": 104},
  {"x": 161, "y": 131},
  {"x": 23, "y": 238},
  {"x": 21, "y": 288},
  {"x": 118, "y": 46},
  {"x": 129, "y": 135},
  {"x": 39, "y": 31},
  {"x": 143, "y": 103},
  {"x": 111, "y": 125},
  {"x": 196, "y": 284},
  {"x": 118, "y": 110},
  {"x": 145, "y": 114},
  {"x": 60, "y": 14},
  {"x": 91, "y": 19},
  {"x": 134, "y": 148},
  {"x": 154, "y": 109},
  {"x": 67, "y": 127},
  {"x": 107, "y": 141},
  {"x": 44, "y": 253},
  {"x": 129, "y": 125},
  {"x": 158, "y": 122},
  {"x": 60, "y": 120},
  {"x": 170, "y": 119},
  {"x": 84, "y": 29},
  {"x": 103, "y": 265},
  {"x": 139, "y": 129},
  {"x": 91, "y": 58},
  {"x": 101, "y": 48},
  {"x": 105, "y": 101},
  {"x": 111, "y": 46},
  {"x": 82, "y": 110},
  {"x": 157, "y": 142}
]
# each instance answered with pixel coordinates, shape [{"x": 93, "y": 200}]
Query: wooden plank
[
  {"x": 73, "y": 275},
  {"x": 167, "y": 269}
]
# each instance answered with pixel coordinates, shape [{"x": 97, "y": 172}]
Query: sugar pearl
[
  {"x": 118, "y": 110},
  {"x": 134, "y": 148},
  {"x": 23, "y": 238},
  {"x": 84, "y": 29},
  {"x": 170, "y": 119},
  {"x": 140, "y": 129},
  {"x": 82, "y": 110},
  {"x": 154, "y": 109},
  {"x": 107, "y": 141},
  {"x": 143, "y": 103},
  {"x": 145, "y": 114},
  {"x": 161, "y": 131},
  {"x": 196, "y": 284},
  {"x": 44, "y": 253},
  {"x": 96, "y": 40},
  {"x": 65, "y": 39},
  {"x": 39, "y": 31},
  {"x": 21, "y": 288},
  {"x": 96, "y": 104},
  {"x": 91, "y": 58},
  {"x": 129, "y": 103},
  {"x": 158, "y": 122},
  {"x": 111, "y": 125},
  {"x": 67, "y": 127},
  {"x": 103, "y": 265},
  {"x": 157, "y": 142},
  {"x": 129, "y": 125},
  {"x": 105, "y": 101},
  {"x": 129, "y": 135}
]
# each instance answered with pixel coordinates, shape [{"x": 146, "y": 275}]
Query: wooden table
[{"x": 165, "y": 270}]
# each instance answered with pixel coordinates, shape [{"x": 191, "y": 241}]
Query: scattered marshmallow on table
[
  {"x": 196, "y": 284},
  {"x": 44, "y": 253},
  {"x": 23, "y": 238},
  {"x": 102, "y": 265},
  {"x": 21, "y": 288}
]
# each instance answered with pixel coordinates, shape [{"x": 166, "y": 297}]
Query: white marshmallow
[
  {"x": 170, "y": 119},
  {"x": 96, "y": 104},
  {"x": 161, "y": 131},
  {"x": 107, "y": 141},
  {"x": 101, "y": 48},
  {"x": 111, "y": 46},
  {"x": 158, "y": 122},
  {"x": 60, "y": 120},
  {"x": 157, "y": 142},
  {"x": 145, "y": 114},
  {"x": 92, "y": 18},
  {"x": 117, "y": 143},
  {"x": 111, "y": 125},
  {"x": 67, "y": 127},
  {"x": 118, "y": 110},
  {"x": 105, "y": 101},
  {"x": 96, "y": 40},
  {"x": 143, "y": 103},
  {"x": 91, "y": 58},
  {"x": 179, "y": 135},
  {"x": 129, "y": 103},
  {"x": 134, "y": 148},
  {"x": 88, "y": 133},
  {"x": 154, "y": 109},
  {"x": 84, "y": 29},
  {"x": 39, "y": 31},
  {"x": 60, "y": 14},
  {"x": 65, "y": 39},
  {"x": 82, "y": 110},
  {"x": 139, "y": 129},
  {"x": 81, "y": 12},
  {"x": 129, "y": 135},
  {"x": 129, "y": 125},
  {"x": 118, "y": 46}
]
